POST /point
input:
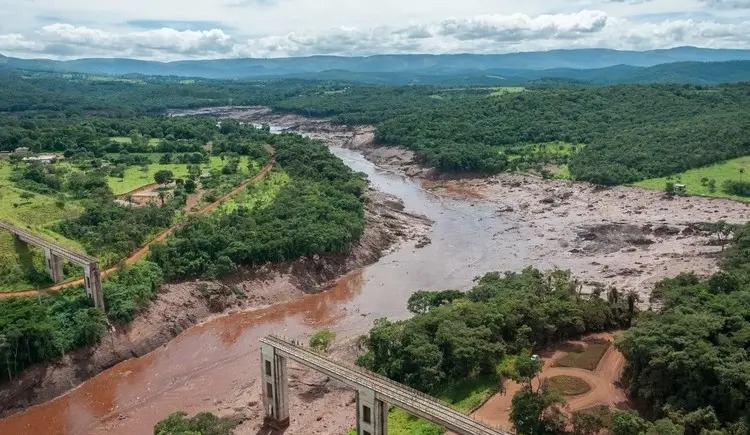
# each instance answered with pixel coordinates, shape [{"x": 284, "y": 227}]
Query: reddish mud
[
  {"x": 604, "y": 382},
  {"x": 623, "y": 236}
]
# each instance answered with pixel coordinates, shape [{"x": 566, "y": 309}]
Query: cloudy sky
[{"x": 200, "y": 29}]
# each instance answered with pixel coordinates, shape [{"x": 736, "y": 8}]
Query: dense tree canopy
[
  {"x": 694, "y": 354},
  {"x": 319, "y": 210},
  {"x": 501, "y": 315},
  {"x": 630, "y": 132}
]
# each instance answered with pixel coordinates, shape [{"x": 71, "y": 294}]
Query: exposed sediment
[{"x": 179, "y": 306}]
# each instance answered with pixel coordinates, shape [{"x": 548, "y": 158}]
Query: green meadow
[{"x": 695, "y": 180}]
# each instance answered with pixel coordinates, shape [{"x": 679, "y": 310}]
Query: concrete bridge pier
[
  {"x": 93, "y": 284},
  {"x": 54, "y": 265},
  {"x": 275, "y": 387},
  {"x": 372, "y": 413}
]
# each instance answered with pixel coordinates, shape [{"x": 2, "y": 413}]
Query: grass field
[
  {"x": 35, "y": 213},
  {"x": 720, "y": 172},
  {"x": 561, "y": 172},
  {"x": 465, "y": 396},
  {"x": 586, "y": 358},
  {"x": 569, "y": 385},
  {"x": 551, "y": 149},
  {"x": 257, "y": 195},
  {"x": 136, "y": 177},
  {"x": 123, "y": 139}
]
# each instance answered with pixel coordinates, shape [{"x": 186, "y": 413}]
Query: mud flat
[{"x": 621, "y": 236}]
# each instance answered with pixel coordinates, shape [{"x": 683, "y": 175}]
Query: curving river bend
[
  {"x": 216, "y": 359},
  {"x": 215, "y": 364}
]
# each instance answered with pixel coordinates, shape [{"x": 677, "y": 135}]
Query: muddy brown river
[
  {"x": 214, "y": 360},
  {"x": 215, "y": 364}
]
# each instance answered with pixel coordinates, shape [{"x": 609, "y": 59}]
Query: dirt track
[
  {"x": 143, "y": 250},
  {"x": 603, "y": 381}
]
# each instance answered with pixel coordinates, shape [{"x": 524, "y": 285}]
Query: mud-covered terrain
[
  {"x": 179, "y": 306},
  {"x": 623, "y": 236}
]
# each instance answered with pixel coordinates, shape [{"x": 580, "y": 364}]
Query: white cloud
[
  {"x": 480, "y": 33},
  {"x": 17, "y": 42},
  {"x": 169, "y": 41}
]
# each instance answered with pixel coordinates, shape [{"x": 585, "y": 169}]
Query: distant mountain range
[{"x": 600, "y": 66}]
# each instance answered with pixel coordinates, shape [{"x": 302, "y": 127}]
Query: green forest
[
  {"x": 455, "y": 335},
  {"x": 316, "y": 207},
  {"x": 319, "y": 210},
  {"x": 621, "y": 133}
]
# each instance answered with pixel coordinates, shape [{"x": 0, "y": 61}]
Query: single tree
[
  {"x": 190, "y": 186},
  {"x": 163, "y": 176},
  {"x": 721, "y": 230},
  {"x": 628, "y": 423}
]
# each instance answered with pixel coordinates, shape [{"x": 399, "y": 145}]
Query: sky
[{"x": 210, "y": 29}]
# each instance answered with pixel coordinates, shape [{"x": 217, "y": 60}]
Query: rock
[
  {"x": 640, "y": 241},
  {"x": 547, "y": 200},
  {"x": 413, "y": 171},
  {"x": 665, "y": 230},
  {"x": 423, "y": 241}
]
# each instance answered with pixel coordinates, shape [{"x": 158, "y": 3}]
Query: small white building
[{"x": 43, "y": 158}]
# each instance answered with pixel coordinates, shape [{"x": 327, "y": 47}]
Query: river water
[{"x": 217, "y": 360}]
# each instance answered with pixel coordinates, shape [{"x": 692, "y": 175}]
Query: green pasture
[
  {"x": 123, "y": 139},
  {"x": 22, "y": 267},
  {"x": 138, "y": 176},
  {"x": 257, "y": 195},
  {"x": 695, "y": 179}
]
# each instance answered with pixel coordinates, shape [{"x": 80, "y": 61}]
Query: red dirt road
[
  {"x": 143, "y": 250},
  {"x": 603, "y": 381}
]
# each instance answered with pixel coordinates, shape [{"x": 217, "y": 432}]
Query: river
[{"x": 216, "y": 359}]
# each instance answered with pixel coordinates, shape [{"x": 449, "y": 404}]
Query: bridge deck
[
  {"x": 56, "y": 249},
  {"x": 413, "y": 401}
]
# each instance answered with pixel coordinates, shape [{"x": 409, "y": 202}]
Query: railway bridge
[
  {"x": 375, "y": 393},
  {"x": 54, "y": 254}
]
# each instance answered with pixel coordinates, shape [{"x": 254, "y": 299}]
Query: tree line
[
  {"x": 457, "y": 335},
  {"x": 319, "y": 210}
]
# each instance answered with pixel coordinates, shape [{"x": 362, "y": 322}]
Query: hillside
[{"x": 394, "y": 68}]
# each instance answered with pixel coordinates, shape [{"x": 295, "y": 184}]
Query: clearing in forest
[
  {"x": 584, "y": 356},
  {"x": 699, "y": 181},
  {"x": 603, "y": 381},
  {"x": 124, "y": 139},
  {"x": 136, "y": 177},
  {"x": 257, "y": 195}
]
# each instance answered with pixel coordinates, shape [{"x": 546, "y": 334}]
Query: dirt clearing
[{"x": 603, "y": 382}]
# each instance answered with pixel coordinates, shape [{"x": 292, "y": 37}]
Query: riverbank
[
  {"x": 480, "y": 225},
  {"x": 622, "y": 236},
  {"x": 179, "y": 306}
]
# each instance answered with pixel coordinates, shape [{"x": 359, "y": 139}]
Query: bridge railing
[{"x": 432, "y": 405}]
